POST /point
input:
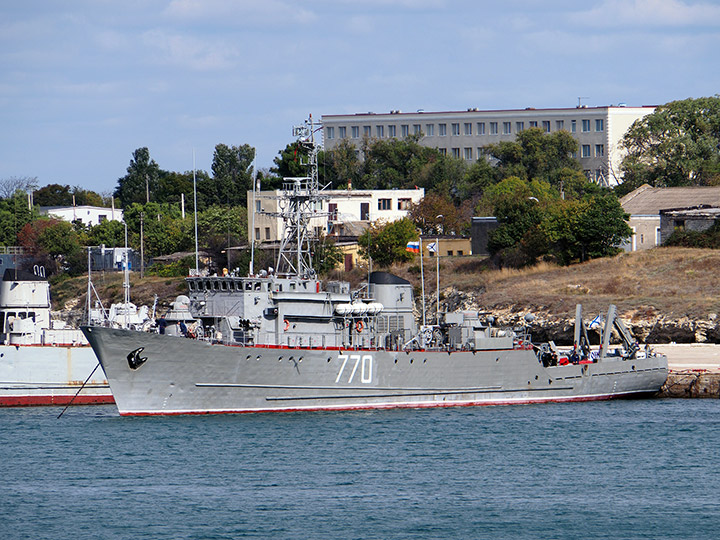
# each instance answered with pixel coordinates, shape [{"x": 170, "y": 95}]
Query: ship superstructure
[{"x": 42, "y": 361}]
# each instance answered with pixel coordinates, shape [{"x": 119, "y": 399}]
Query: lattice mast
[{"x": 298, "y": 204}]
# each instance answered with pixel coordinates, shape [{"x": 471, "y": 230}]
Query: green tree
[
  {"x": 142, "y": 175},
  {"x": 14, "y": 215},
  {"x": 579, "y": 230},
  {"x": 535, "y": 155},
  {"x": 386, "y": 243},
  {"x": 435, "y": 214},
  {"x": 232, "y": 174},
  {"x": 220, "y": 227},
  {"x": 53, "y": 195},
  {"x": 326, "y": 255},
  {"x": 54, "y": 244},
  {"x": 342, "y": 165},
  {"x": 677, "y": 145},
  {"x": 109, "y": 232}
]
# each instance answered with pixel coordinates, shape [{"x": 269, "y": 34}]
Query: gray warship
[{"x": 281, "y": 340}]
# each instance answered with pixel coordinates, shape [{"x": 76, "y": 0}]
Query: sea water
[{"x": 617, "y": 469}]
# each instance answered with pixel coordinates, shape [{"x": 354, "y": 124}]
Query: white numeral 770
[{"x": 366, "y": 366}]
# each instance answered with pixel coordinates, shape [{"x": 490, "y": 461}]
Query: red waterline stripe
[
  {"x": 30, "y": 401},
  {"x": 486, "y": 403}
]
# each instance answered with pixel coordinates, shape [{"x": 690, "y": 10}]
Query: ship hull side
[
  {"x": 50, "y": 375},
  {"x": 182, "y": 376}
]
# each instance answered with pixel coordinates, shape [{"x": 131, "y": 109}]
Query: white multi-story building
[
  {"x": 88, "y": 215},
  {"x": 339, "y": 209},
  {"x": 465, "y": 134}
]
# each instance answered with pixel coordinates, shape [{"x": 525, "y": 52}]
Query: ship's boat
[
  {"x": 283, "y": 341},
  {"x": 42, "y": 360}
]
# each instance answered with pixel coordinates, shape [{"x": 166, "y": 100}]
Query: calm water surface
[{"x": 622, "y": 469}]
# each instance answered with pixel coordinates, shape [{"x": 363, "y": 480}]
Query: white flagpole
[
  {"x": 437, "y": 272},
  {"x": 197, "y": 265},
  {"x": 422, "y": 281}
]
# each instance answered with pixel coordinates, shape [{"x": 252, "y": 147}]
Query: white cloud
[
  {"x": 240, "y": 12},
  {"x": 194, "y": 53},
  {"x": 650, "y": 13}
]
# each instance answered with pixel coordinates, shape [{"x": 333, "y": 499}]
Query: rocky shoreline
[{"x": 646, "y": 325}]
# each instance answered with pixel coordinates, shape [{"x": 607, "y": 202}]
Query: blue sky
[{"x": 83, "y": 83}]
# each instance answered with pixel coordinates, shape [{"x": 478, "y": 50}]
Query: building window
[
  {"x": 585, "y": 150},
  {"x": 493, "y": 128},
  {"x": 258, "y": 208},
  {"x": 456, "y": 129},
  {"x": 586, "y": 172},
  {"x": 257, "y": 233},
  {"x": 367, "y": 131},
  {"x": 416, "y": 129},
  {"x": 599, "y": 124},
  {"x": 380, "y": 131},
  {"x": 599, "y": 150},
  {"x": 519, "y": 126},
  {"x": 507, "y": 128},
  {"x": 559, "y": 125},
  {"x": 267, "y": 233},
  {"x": 481, "y": 128},
  {"x": 330, "y": 131},
  {"x": 404, "y": 204},
  {"x": 430, "y": 130},
  {"x": 355, "y": 132},
  {"x": 460, "y": 253},
  {"x": 384, "y": 204},
  {"x": 405, "y": 130},
  {"x": 443, "y": 151},
  {"x": 546, "y": 126},
  {"x": 102, "y": 217},
  {"x": 468, "y": 128},
  {"x": 332, "y": 210},
  {"x": 468, "y": 154},
  {"x": 586, "y": 126},
  {"x": 599, "y": 176},
  {"x": 342, "y": 132},
  {"x": 456, "y": 152},
  {"x": 573, "y": 154},
  {"x": 533, "y": 123},
  {"x": 392, "y": 131},
  {"x": 450, "y": 252},
  {"x": 573, "y": 126},
  {"x": 442, "y": 129}
]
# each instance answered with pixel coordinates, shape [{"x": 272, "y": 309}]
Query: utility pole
[
  {"x": 142, "y": 254},
  {"x": 147, "y": 188}
]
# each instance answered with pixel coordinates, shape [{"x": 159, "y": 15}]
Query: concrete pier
[{"x": 694, "y": 370}]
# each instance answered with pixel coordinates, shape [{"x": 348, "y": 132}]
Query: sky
[{"x": 84, "y": 83}]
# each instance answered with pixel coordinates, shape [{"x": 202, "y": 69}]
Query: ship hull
[
  {"x": 50, "y": 375},
  {"x": 174, "y": 375}
]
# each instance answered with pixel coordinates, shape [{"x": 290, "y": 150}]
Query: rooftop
[{"x": 648, "y": 200}]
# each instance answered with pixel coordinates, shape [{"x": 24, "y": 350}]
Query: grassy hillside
[{"x": 675, "y": 282}]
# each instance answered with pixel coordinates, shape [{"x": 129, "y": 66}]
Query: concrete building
[
  {"x": 698, "y": 219},
  {"x": 88, "y": 215},
  {"x": 345, "y": 212},
  {"x": 465, "y": 134},
  {"x": 646, "y": 203}
]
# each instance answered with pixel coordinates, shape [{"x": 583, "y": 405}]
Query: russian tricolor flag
[{"x": 413, "y": 247}]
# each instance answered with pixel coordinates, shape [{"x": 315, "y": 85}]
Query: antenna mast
[{"x": 299, "y": 202}]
